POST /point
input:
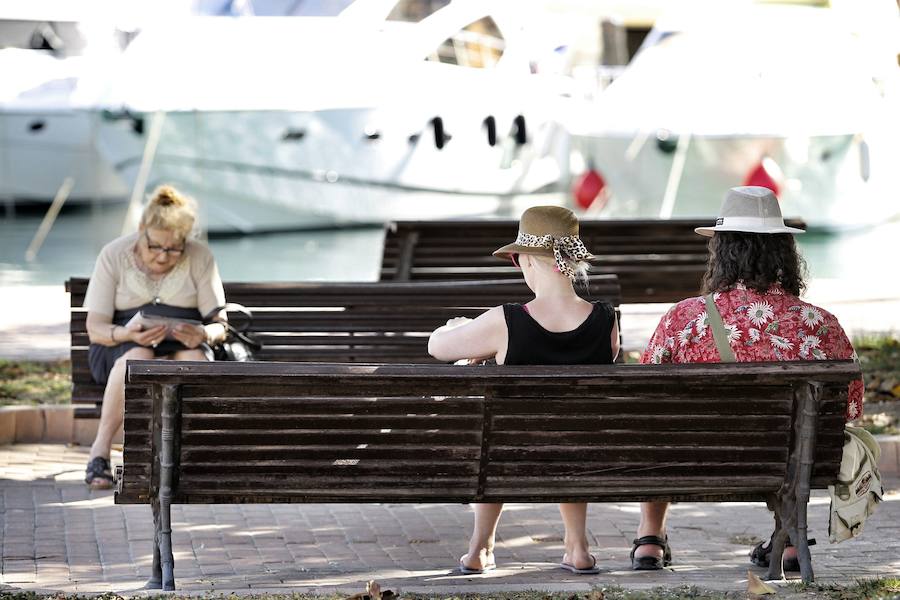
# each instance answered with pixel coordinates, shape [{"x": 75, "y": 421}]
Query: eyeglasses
[
  {"x": 515, "y": 259},
  {"x": 157, "y": 249}
]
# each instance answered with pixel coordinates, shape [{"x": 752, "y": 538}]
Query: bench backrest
[
  {"x": 656, "y": 260},
  {"x": 292, "y": 432},
  {"x": 338, "y": 322}
]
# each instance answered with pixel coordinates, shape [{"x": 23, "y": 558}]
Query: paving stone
[{"x": 90, "y": 545}]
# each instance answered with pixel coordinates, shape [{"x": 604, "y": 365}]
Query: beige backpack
[{"x": 858, "y": 488}]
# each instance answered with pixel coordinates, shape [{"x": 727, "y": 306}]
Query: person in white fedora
[
  {"x": 558, "y": 327},
  {"x": 750, "y": 311}
]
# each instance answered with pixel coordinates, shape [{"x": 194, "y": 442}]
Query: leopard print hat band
[{"x": 570, "y": 247}]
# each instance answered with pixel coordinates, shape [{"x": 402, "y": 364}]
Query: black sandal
[
  {"x": 98, "y": 474},
  {"x": 651, "y": 563},
  {"x": 759, "y": 556}
]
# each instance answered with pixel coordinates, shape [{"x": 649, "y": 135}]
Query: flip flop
[
  {"x": 592, "y": 570},
  {"x": 470, "y": 571}
]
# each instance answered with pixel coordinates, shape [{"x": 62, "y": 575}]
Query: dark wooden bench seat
[
  {"x": 656, "y": 260},
  {"x": 308, "y": 433},
  {"x": 336, "y": 322}
]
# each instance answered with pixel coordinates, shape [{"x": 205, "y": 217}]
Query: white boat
[
  {"x": 775, "y": 95},
  {"x": 46, "y": 128},
  {"x": 56, "y": 57},
  {"x": 275, "y": 123}
]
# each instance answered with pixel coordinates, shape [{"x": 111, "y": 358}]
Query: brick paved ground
[{"x": 57, "y": 535}]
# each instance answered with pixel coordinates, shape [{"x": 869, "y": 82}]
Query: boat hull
[{"x": 254, "y": 171}]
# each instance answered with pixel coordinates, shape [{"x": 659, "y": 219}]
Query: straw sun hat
[
  {"x": 751, "y": 209},
  {"x": 549, "y": 231}
]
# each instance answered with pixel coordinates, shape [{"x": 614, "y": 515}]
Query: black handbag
[{"x": 238, "y": 345}]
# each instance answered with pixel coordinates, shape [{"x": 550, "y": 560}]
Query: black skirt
[{"x": 102, "y": 358}]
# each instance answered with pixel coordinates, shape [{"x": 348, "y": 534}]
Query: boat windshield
[{"x": 478, "y": 45}]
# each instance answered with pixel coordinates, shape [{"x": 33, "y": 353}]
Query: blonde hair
[
  {"x": 580, "y": 267},
  {"x": 171, "y": 210}
]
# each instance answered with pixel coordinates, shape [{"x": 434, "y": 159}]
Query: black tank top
[{"x": 531, "y": 344}]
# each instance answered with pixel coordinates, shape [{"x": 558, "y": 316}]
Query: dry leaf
[
  {"x": 596, "y": 595},
  {"x": 374, "y": 589},
  {"x": 757, "y": 586}
]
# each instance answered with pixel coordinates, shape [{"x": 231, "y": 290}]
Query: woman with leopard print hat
[{"x": 556, "y": 328}]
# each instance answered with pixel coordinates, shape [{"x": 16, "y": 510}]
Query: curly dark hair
[{"x": 758, "y": 260}]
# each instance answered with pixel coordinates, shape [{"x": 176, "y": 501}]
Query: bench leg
[
  {"x": 809, "y": 396},
  {"x": 166, "y": 479},
  {"x": 801, "y": 543},
  {"x": 776, "y": 565},
  {"x": 167, "y": 561},
  {"x": 155, "y": 581}
]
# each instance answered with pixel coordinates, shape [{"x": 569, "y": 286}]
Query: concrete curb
[{"x": 46, "y": 423}]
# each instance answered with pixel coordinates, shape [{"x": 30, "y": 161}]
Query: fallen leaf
[
  {"x": 596, "y": 595},
  {"x": 757, "y": 586}
]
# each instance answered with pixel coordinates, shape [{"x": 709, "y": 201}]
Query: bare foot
[
  {"x": 579, "y": 559},
  {"x": 481, "y": 560},
  {"x": 650, "y": 549}
]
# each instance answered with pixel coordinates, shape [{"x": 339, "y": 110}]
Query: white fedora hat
[{"x": 751, "y": 209}]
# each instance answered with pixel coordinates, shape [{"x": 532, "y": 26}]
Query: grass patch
[
  {"x": 33, "y": 383},
  {"x": 886, "y": 587},
  {"x": 868, "y": 589},
  {"x": 879, "y": 359}
]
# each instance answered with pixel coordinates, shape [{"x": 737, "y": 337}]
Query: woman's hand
[
  {"x": 189, "y": 335},
  {"x": 147, "y": 337}
]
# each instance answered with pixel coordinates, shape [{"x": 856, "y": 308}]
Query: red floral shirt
[{"x": 761, "y": 327}]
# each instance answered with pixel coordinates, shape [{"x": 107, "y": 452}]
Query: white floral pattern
[
  {"x": 811, "y": 316},
  {"x": 734, "y": 333},
  {"x": 780, "y": 343},
  {"x": 762, "y": 326},
  {"x": 760, "y": 313}
]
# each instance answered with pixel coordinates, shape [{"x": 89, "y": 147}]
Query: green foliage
[
  {"x": 863, "y": 589},
  {"x": 35, "y": 382}
]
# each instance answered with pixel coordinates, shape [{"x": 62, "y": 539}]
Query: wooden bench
[
  {"x": 310, "y": 433},
  {"x": 335, "y": 322},
  {"x": 656, "y": 260}
]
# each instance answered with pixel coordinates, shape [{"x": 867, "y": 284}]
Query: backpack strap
[{"x": 720, "y": 335}]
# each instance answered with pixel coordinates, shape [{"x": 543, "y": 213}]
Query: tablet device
[{"x": 148, "y": 321}]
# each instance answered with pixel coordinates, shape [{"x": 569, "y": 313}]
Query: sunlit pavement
[{"x": 58, "y": 535}]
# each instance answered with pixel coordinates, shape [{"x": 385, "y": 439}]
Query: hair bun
[{"x": 166, "y": 195}]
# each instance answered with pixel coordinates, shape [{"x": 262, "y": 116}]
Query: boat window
[
  {"x": 414, "y": 11},
  {"x": 478, "y": 45}
]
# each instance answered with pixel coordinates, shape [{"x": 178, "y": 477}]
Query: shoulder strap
[{"x": 720, "y": 335}]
